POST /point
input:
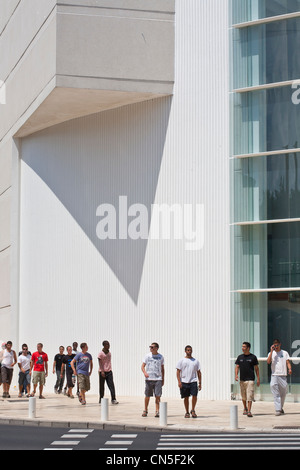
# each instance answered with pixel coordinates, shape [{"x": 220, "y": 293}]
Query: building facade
[
  {"x": 148, "y": 181},
  {"x": 264, "y": 168}
]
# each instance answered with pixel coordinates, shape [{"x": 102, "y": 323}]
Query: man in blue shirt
[{"x": 83, "y": 371}]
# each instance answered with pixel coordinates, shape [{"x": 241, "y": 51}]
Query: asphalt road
[{"x": 146, "y": 444}]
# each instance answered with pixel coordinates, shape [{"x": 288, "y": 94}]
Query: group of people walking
[
  {"x": 246, "y": 365},
  {"x": 71, "y": 366},
  {"x": 77, "y": 367}
]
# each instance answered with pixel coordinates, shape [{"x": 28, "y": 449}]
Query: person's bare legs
[{"x": 157, "y": 401}]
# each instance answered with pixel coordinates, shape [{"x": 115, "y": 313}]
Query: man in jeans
[
  {"x": 246, "y": 364},
  {"x": 105, "y": 373}
]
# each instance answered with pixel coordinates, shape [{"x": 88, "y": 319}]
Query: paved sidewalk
[{"x": 59, "y": 410}]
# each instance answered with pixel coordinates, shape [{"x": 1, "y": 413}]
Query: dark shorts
[
  {"x": 24, "y": 378},
  {"x": 189, "y": 389},
  {"x": 153, "y": 387},
  {"x": 69, "y": 375},
  {"x": 6, "y": 375}
]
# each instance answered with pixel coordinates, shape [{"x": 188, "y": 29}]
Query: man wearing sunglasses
[
  {"x": 154, "y": 372},
  {"x": 280, "y": 366}
]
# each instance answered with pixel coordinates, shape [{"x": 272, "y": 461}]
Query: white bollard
[
  {"x": 234, "y": 417},
  {"x": 32, "y": 407},
  {"x": 163, "y": 407},
  {"x": 104, "y": 409}
]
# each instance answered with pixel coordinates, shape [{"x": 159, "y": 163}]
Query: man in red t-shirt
[{"x": 39, "y": 364}]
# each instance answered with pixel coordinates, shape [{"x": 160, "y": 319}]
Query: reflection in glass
[
  {"x": 265, "y": 120},
  {"x": 266, "y": 187},
  {"x": 266, "y": 256},
  {"x": 262, "y": 317},
  {"x": 266, "y": 53},
  {"x": 248, "y": 10}
]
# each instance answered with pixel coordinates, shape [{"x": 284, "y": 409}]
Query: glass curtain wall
[{"x": 265, "y": 176}]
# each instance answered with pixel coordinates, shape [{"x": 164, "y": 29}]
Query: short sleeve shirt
[
  {"x": 24, "y": 361},
  {"x": 83, "y": 363},
  {"x": 67, "y": 359},
  {"x": 154, "y": 363},
  {"x": 246, "y": 363},
  {"x": 39, "y": 360},
  {"x": 104, "y": 361},
  {"x": 278, "y": 365},
  {"x": 189, "y": 368}
]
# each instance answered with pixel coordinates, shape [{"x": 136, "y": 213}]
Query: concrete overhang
[
  {"x": 84, "y": 57},
  {"x": 63, "y": 104}
]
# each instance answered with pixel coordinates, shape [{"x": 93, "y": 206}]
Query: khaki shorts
[
  {"x": 83, "y": 382},
  {"x": 38, "y": 377},
  {"x": 247, "y": 390}
]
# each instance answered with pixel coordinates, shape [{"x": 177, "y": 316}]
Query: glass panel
[
  {"x": 265, "y": 120},
  {"x": 266, "y": 188},
  {"x": 266, "y": 53},
  {"x": 259, "y": 318},
  {"x": 266, "y": 256},
  {"x": 248, "y": 10}
]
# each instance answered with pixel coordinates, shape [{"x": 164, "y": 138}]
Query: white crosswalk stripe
[
  {"x": 232, "y": 441},
  {"x": 67, "y": 441},
  {"x": 119, "y": 442}
]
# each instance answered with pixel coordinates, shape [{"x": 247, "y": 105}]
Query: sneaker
[
  {"x": 278, "y": 413},
  {"x": 114, "y": 402}
]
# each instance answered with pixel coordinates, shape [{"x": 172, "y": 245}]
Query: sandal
[
  {"x": 245, "y": 411},
  {"x": 193, "y": 413},
  {"x": 187, "y": 415},
  {"x": 249, "y": 414},
  {"x": 156, "y": 415},
  {"x": 145, "y": 413}
]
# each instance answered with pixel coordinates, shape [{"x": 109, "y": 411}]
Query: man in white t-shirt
[
  {"x": 188, "y": 375},
  {"x": 154, "y": 372},
  {"x": 280, "y": 366},
  {"x": 24, "y": 374}
]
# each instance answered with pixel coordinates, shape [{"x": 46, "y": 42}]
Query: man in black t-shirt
[
  {"x": 66, "y": 366},
  {"x": 58, "y": 359},
  {"x": 247, "y": 365}
]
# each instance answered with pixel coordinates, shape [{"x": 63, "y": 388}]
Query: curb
[{"x": 138, "y": 428}]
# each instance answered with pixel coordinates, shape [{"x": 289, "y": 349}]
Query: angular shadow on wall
[{"x": 96, "y": 159}]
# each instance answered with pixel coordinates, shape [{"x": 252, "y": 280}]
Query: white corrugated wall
[{"x": 133, "y": 292}]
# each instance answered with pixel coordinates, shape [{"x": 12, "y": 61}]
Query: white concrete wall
[
  {"x": 32, "y": 75},
  {"x": 169, "y": 150}
]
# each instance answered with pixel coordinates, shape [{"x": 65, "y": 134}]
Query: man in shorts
[
  {"x": 154, "y": 372},
  {"x": 39, "y": 365},
  {"x": 8, "y": 361},
  {"x": 66, "y": 366},
  {"x": 83, "y": 370},
  {"x": 188, "y": 375},
  {"x": 247, "y": 365},
  {"x": 24, "y": 373}
]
